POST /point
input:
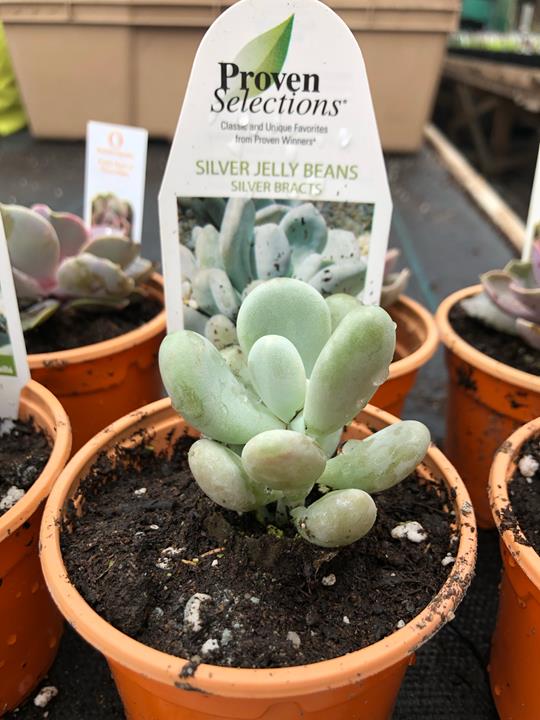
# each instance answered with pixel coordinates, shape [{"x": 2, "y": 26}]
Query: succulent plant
[
  {"x": 56, "y": 260},
  {"x": 510, "y": 301},
  {"x": 242, "y": 243},
  {"x": 271, "y": 411}
]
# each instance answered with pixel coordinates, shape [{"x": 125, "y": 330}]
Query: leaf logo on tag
[{"x": 262, "y": 60}]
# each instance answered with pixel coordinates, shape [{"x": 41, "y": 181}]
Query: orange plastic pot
[
  {"x": 363, "y": 684},
  {"x": 515, "y": 652},
  {"x": 487, "y": 401},
  {"x": 416, "y": 342},
  {"x": 99, "y": 383},
  {"x": 30, "y": 624}
]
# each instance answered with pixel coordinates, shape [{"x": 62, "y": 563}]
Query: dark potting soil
[
  {"x": 525, "y": 499},
  {"x": 150, "y": 540},
  {"x": 500, "y": 346},
  {"x": 68, "y": 329},
  {"x": 24, "y": 452}
]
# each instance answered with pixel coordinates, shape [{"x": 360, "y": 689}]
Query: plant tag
[
  {"x": 532, "y": 231},
  {"x": 14, "y": 370},
  {"x": 277, "y": 109},
  {"x": 115, "y": 176}
]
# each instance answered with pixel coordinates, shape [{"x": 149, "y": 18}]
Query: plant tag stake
[
  {"x": 14, "y": 370},
  {"x": 115, "y": 176},
  {"x": 272, "y": 113},
  {"x": 532, "y": 231}
]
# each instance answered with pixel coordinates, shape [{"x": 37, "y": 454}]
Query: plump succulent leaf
[
  {"x": 341, "y": 246},
  {"x": 91, "y": 276},
  {"x": 380, "y": 461},
  {"x": 271, "y": 252},
  {"x": 208, "y": 395},
  {"x": 341, "y": 305},
  {"x": 220, "y": 475},
  {"x": 114, "y": 247},
  {"x": 207, "y": 250},
  {"x": 235, "y": 240},
  {"x": 34, "y": 248},
  {"x": 188, "y": 264},
  {"x": 286, "y": 307},
  {"x": 349, "y": 369},
  {"x": 237, "y": 362},
  {"x": 306, "y": 231},
  {"x": 272, "y": 213},
  {"x": 346, "y": 277},
  {"x": 284, "y": 460},
  {"x": 221, "y": 331},
  {"x": 139, "y": 270},
  {"x": 337, "y": 519},
  {"x": 278, "y": 375},
  {"x": 511, "y": 298},
  {"x": 70, "y": 229},
  {"x": 26, "y": 288},
  {"x": 214, "y": 293},
  {"x": 38, "y": 313},
  {"x": 194, "y": 320}
]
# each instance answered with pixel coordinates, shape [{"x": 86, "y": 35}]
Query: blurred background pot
[
  {"x": 487, "y": 401},
  {"x": 30, "y": 624},
  {"x": 99, "y": 383},
  {"x": 515, "y": 652}
]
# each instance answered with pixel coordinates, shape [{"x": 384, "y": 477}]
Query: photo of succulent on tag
[{"x": 229, "y": 246}]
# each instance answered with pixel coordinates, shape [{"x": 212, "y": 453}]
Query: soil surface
[
  {"x": 68, "y": 329},
  {"x": 500, "y": 346},
  {"x": 524, "y": 493},
  {"x": 151, "y": 540},
  {"x": 24, "y": 452}
]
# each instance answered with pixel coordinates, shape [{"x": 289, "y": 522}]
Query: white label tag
[
  {"x": 278, "y": 107},
  {"x": 14, "y": 371},
  {"x": 115, "y": 177},
  {"x": 532, "y": 231}
]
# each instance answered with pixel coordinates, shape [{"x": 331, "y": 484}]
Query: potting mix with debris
[{"x": 237, "y": 480}]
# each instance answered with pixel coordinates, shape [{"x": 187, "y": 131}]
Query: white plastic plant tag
[
  {"x": 14, "y": 371},
  {"x": 532, "y": 231},
  {"x": 115, "y": 177},
  {"x": 278, "y": 109}
]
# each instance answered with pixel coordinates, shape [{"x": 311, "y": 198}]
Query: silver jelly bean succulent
[{"x": 271, "y": 410}]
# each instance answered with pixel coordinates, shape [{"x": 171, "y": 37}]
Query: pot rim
[
  {"x": 235, "y": 682},
  {"x": 501, "y": 473},
  {"x": 46, "y": 411},
  {"x": 428, "y": 347},
  {"x": 87, "y": 353},
  {"x": 471, "y": 355}
]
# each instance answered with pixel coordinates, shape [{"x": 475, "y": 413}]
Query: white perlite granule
[
  {"x": 448, "y": 560},
  {"x": 6, "y": 426},
  {"x": 192, "y": 611},
  {"x": 210, "y": 646},
  {"x": 329, "y": 580},
  {"x": 411, "y": 530},
  {"x": 45, "y": 695},
  {"x": 294, "y": 639},
  {"x": 13, "y": 495},
  {"x": 528, "y": 466}
]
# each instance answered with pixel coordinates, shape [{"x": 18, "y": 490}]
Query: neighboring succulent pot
[
  {"x": 152, "y": 684},
  {"x": 487, "y": 401},
  {"x": 101, "y": 382},
  {"x": 58, "y": 262},
  {"x": 417, "y": 340},
  {"x": 30, "y": 624},
  {"x": 515, "y": 653}
]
